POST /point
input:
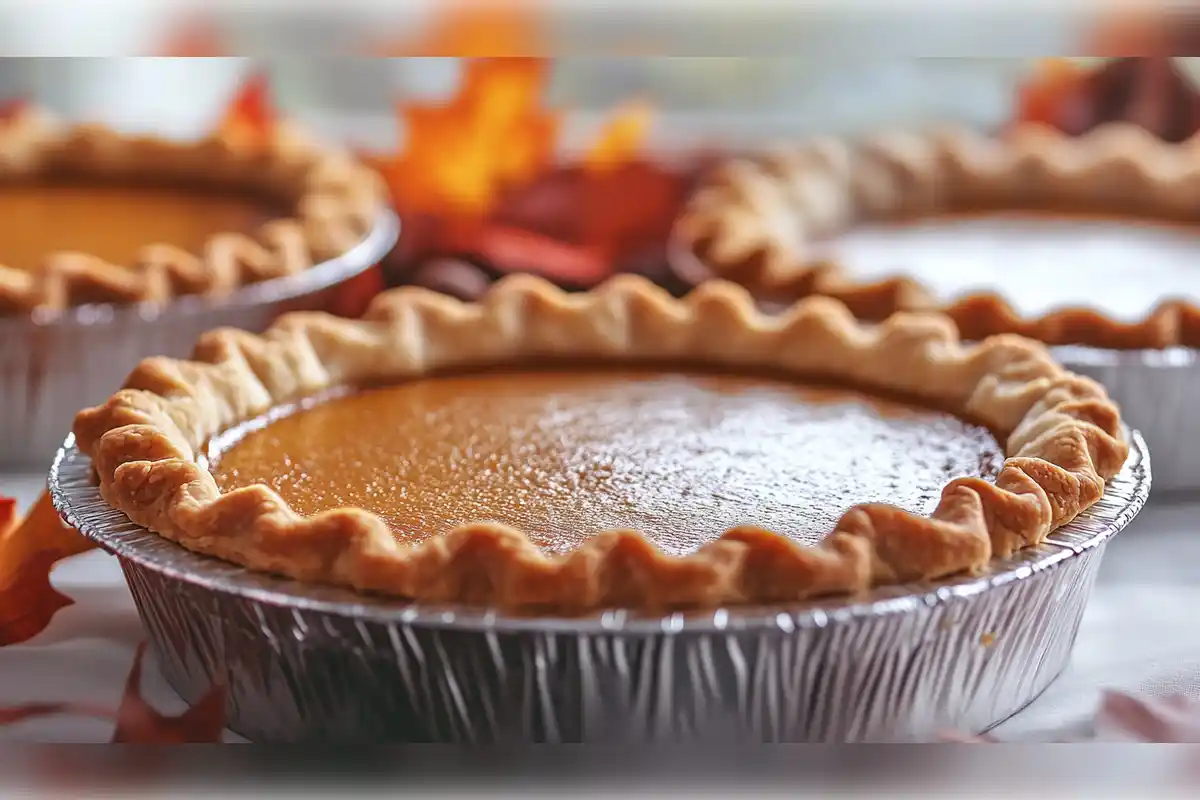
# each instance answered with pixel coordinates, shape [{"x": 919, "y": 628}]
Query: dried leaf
[
  {"x": 1056, "y": 83},
  {"x": 138, "y": 723},
  {"x": 458, "y": 156},
  {"x": 29, "y": 549},
  {"x": 1170, "y": 719},
  {"x": 515, "y": 250},
  {"x": 12, "y": 108},
  {"x": 135, "y": 721},
  {"x": 351, "y": 298},
  {"x": 621, "y": 139},
  {"x": 250, "y": 115}
]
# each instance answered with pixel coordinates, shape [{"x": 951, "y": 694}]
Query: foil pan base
[
  {"x": 1158, "y": 392},
  {"x": 318, "y": 664},
  {"x": 51, "y": 368}
]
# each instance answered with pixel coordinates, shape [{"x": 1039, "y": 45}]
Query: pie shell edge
[
  {"x": 752, "y": 218},
  {"x": 337, "y": 202},
  {"x": 1062, "y": 437}
]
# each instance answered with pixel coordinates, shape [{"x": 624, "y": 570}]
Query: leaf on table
[
  {"x": 622, "y": 137},
  {"x": 29, "y": 549},
  {"x": 1171, "y": 719},
  {"x": 12, "y": 108},
  {"x": 459, "y": 155},
  {"x": 250, "y": 116},
  {"x": 1054, "y": 93},
  {"x": 136, "y": 722},
  {"x": 139, "y": 723}
]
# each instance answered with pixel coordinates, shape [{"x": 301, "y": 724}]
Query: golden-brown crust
[
  {"x": 754, "y": 219},
  {"x": 335, "y": 199},
  {"x": 1063, "y": 435}
]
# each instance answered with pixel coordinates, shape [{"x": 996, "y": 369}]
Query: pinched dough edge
[
  {"x": 755, "y": 217},
  {"x": 1063, "y": 441},
  {"x": 336, "y": 202}
]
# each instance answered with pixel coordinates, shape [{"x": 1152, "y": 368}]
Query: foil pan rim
[
  {"x": 375, "y": 245},
  {"x": 1166, "y": 358},
  {"x": 75, "y": 495}
]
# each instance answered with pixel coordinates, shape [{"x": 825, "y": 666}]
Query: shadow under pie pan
[
  {"x": 50, "y": 368},
  {"x": 305, "y": 663}
]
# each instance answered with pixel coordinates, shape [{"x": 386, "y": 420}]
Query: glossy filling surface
[
  {"x": 564, "y": 454},
  {"x": 1037, "y": 262},
  {"x": 115, "y": 222}
]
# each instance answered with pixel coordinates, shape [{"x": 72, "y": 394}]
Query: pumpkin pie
[
  {"x": 558, "y": 452},
  {"x": 94, "y": 216},
  {"x": 1086, "y": 240}
]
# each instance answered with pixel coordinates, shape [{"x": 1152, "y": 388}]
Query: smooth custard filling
[
  {"x": 1037, "y": 262},
  {"x": 115, "y": 222},
  {"x": 679, "y": 456}
]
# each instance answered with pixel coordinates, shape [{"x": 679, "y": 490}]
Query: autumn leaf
[
  {"x": 621, "y": 139},
  {"x": 12, "y": 108},
  {"x": 139, "y": 723},
  {"x": 29, "y": 549},
  {"x": 1055, "y": 84},
  {"x": 492, "y": 133},
  {"x": 135, "y": 720},
  {"x": 250, "y": 116}
]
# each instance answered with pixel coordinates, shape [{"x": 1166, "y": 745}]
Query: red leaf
[
  {"x": 250, "y": 116},
  {"x": 12, "y": 108},
  {"x": 29, "y": 549},
  {"x": 138, "y": 723},
  {"x": 352, "y": 297},
  {"x": 514, "y": 250}
]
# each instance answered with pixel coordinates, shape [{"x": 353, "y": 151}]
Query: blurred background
[{"x": 735, "y": 99}]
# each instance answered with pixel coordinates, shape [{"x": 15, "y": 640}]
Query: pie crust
[
  {"x": 335, "y": 199},
  {"x": 1062, "y": 436},
  {"x": 757, "y": 219}
]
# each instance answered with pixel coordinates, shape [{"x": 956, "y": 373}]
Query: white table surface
[{"x": 1141, "y": 633}]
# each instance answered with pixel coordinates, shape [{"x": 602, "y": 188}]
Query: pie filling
[
  {"x": 680, "y": 456},
  {"x": 116, "y": 222},
  {"x": 1038, "y": 263}
]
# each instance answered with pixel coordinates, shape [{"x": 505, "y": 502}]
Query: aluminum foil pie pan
[
  {"x": 1158, "y": 392},
  {"x": 305, "y": 663},
  {"x": 50, "y": 368}
]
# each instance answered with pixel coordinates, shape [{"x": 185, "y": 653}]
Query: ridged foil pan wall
[
  {"x": 1158, "y": 392},
  {"x": 49, "y": 369},
  {"x": 317, "y": 664}
]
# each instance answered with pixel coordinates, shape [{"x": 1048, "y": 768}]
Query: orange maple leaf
[
  {"x": 29, "y": 549},
  {"x": 12, "y": 108},
  {"x": 621, "y": 138},
  {"x": 250, "y": 116},
  {"x": 1040, "y": 99},
  {"x": 136, "y": 721},
  {"x": 458, "y": 156}
]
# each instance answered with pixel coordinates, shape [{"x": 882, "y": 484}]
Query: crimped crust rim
[
  {"x": 336, "y": 201},
  {"x": 1063, "y": 442},
  {"x": 842, "y": 180}
]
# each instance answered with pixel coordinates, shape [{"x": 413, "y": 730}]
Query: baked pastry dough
[
  {"x": 760, "y": 220},
  {"x": 1062, "y": 438},
  {"x": 330, "y": 203}
]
